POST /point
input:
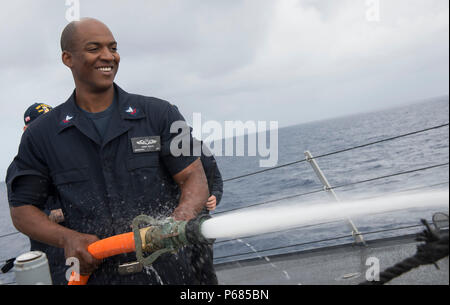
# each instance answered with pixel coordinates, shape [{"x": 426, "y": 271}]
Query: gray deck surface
[{"x": 339, "y": 265}]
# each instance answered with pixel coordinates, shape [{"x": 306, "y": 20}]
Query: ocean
[{"x": 403, "y": 154}]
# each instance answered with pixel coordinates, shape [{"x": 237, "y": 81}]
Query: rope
[
  {"x": 336, "y": 187},
  {"x": 434, "y": 249},
  {"x": 338, "y": 151}
]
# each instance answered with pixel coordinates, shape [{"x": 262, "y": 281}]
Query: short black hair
[{"x": 67, "y": 37}]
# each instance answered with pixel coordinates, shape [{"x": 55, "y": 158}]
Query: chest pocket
[
  {"x": 70, "y": 176},
  {"x": 144, "y": 174},
  {"x": 72, "y": 186}
]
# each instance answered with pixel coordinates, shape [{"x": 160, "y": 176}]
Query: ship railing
[{"x": 327, "y": 186}]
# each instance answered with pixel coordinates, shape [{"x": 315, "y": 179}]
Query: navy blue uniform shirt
[{"x": 102, "y": 184}]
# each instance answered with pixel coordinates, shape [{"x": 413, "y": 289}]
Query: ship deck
[{"x": 336, "y": 265}]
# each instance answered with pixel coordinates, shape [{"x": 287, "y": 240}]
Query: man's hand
[
  {"x": 211, "y": 203},
  {"x": 75, "y": 245}
]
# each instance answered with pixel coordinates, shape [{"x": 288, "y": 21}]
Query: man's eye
[
  {"x": 92, "y": 49},
  {"x": 114, "y": 49}
]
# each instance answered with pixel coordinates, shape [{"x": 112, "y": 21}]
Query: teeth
[{"x": 106, "y": 69}]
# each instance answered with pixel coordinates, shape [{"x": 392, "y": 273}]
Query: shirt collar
[{"x": 71, "y": 115}]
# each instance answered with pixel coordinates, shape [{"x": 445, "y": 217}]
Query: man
[
  {"x": 93, "y": 163},
  {"x": 202, "y": 255},
  {"x": 55, "y": 256},
  {"x": 215, "y": 182}
]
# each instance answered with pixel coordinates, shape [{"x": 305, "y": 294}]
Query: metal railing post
[{"x": 358, "y": 236}]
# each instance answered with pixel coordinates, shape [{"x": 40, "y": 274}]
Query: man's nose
[{"x": 107, "y": 54}]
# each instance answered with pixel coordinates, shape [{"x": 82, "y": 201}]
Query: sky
[{"x": 290, "y": 61}]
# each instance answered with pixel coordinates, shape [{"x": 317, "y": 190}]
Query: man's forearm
[
  {"x": 34, "y": 223},
  {"x": 194, "y": 191}
]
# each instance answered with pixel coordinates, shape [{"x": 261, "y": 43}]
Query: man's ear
[{"x": 67, "y": 58}]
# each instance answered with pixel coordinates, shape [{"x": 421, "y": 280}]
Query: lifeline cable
[
  {"x": 338, "y": 186},
  {"x": 316, "y": 157},
  {"x": 337, "y": 152}
]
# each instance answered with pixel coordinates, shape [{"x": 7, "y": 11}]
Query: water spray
[
  {"x": 168, "y": 236},
  {"x": 256, "y": 221}
]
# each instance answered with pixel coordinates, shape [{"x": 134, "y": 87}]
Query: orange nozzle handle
[
  {"x": 123, "y": 243},
  {"x": 111, "y": 246}
]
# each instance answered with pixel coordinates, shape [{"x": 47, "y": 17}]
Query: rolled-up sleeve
[{"x": 27, "y": 177}]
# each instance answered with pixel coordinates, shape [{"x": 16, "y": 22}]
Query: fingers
[
  {"x": 88, "y": 263},
  {"x": 56, "y": 216},
  {"x": 91, "y": 263},
  {"x": 77, "y": 247},
  {"x": 211, "y": 203}
]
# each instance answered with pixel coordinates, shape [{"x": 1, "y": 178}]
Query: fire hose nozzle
[
  {"x": 149, "y": 235},
  {"x": 194, "y": 233},
  {"x": 166, "y": 236}
]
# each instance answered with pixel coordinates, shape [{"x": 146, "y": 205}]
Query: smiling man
[{"x": 85, "y": 152}]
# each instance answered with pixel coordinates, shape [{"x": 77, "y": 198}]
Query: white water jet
[{"x": 265, "y": 220}]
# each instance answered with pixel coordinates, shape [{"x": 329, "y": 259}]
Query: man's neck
[{"x": 94, "y": 101}]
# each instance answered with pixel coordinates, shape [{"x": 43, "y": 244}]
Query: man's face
[{"x": 95, "y": 60}]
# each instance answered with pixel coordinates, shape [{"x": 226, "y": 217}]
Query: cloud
[{"x": 290, "y": 61}]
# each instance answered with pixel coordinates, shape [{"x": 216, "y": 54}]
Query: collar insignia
[
  {"x": 67, "y": 119},
  {"x": 131, "y": 111}
]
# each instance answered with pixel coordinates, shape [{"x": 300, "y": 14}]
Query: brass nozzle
[{"x": 166, "y": 236}]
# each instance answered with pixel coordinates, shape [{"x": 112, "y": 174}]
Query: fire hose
[{"x": 157, "y": 237}]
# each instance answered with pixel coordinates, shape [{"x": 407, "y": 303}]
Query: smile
[{"x": 105, "y": 69}]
